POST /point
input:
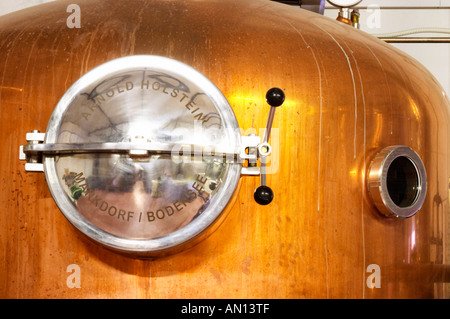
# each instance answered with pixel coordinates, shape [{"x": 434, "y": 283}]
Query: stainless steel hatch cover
[
  {"x": 143, "y": 153},
  {"x": 139, "y": 181}
]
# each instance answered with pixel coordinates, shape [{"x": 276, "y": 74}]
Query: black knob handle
[
  {"x": 263, "y": 195},
  {"x": 275, "y": 97}
]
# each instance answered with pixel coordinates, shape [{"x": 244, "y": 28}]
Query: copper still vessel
[{"x": 359, "y": 156}]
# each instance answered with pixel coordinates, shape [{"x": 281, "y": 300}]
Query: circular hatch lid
[{"x": 131, "y": 171}]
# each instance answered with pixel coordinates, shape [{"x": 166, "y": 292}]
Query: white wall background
[
  {"x": 385, "y": 16},
  {"x": 377, "y": 16}
]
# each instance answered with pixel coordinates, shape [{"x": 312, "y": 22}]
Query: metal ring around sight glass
[{"x": 397, "y": 182}]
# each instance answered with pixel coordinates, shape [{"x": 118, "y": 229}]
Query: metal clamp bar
[
  {"x": 130, "y": 148},
  {"x": 36, "y": 149}
]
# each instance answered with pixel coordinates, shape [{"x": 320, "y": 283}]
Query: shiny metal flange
[{"x": 397, "y": 181}]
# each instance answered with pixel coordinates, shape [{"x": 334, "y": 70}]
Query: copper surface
[{"x": 348, "y": 95}]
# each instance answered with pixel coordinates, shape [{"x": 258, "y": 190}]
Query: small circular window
[
  {"x": 397, "y": 181},
  {"x": 402, "y": 182}
]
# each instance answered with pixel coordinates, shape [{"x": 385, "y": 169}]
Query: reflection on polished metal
[
  {"x": 349, "y": 96},
  {"x": 161, "y": 111},
  {"x": 143, "y": 153},
  {"x": 397, "y": 182}
]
